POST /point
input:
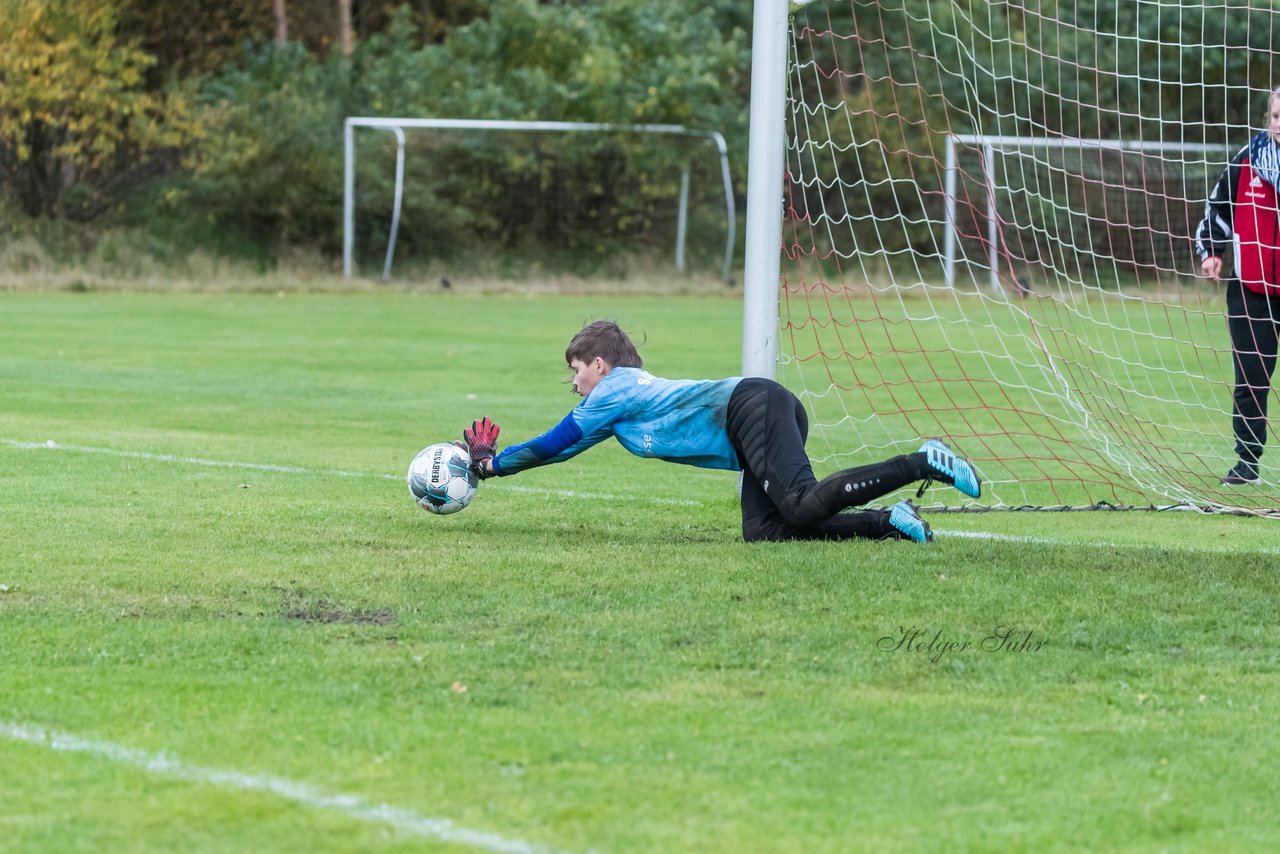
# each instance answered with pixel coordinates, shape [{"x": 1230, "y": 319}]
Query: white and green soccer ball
[{"x": 440, "y": 479}]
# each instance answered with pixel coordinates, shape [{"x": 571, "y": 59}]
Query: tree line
[{"x": 225, "y": 119}]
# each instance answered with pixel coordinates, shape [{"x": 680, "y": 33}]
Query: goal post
[
  {"x": 764, "y": 189},
  {"x": 989, "y": 146},
  {"x": 1058, "y": 166},
  {"x": 397, "y": 126}
]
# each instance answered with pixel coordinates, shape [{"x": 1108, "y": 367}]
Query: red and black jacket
[{"x": 1242, "y": 214}]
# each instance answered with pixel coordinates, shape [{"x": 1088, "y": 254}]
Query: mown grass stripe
[{"x": 534, "y": 490}]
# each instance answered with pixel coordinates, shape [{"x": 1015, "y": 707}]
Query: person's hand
[
  {"x": 1211, "y": 267},
  {"x": 482, "y": 444},
  {"x": 479, "y": 469}
]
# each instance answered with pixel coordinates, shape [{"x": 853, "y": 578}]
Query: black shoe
[{"x": 1242, "y": 475}]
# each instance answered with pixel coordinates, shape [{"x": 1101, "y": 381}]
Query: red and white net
[{"x": 1090, "y": 366}]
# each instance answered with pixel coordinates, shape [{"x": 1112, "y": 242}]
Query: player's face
[
  {"x": 1273, "y": 120},
  {"x": 587, "y": 374}
]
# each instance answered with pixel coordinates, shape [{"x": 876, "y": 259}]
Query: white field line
[
  {"x": 353, "y": 806},
  {"x": 51, "y": 445},
  {"x": 1051, "y": 541}
]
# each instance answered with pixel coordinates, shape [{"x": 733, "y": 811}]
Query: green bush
[{"x": 269, "y": 163}]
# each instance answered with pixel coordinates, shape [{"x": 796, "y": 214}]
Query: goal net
[{"x": 988, "y": 216}]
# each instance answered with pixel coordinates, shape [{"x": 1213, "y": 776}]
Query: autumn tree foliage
[{"x": 76, "y": 122}]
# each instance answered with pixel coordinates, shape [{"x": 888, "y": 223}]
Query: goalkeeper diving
[{"x": 748, "y": 424}]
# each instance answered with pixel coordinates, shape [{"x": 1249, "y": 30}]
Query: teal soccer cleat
[
  {"x": 946, "y": 466},
  {"x": 904, "y": 517}
]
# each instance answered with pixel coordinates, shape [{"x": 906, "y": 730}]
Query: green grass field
[{"x": 225, "y": 626}]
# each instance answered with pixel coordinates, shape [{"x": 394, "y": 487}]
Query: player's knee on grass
[
  {"x": 858, "y": 525},
  {"x": 763, "y": 532}
]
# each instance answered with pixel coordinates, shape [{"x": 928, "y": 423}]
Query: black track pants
[
  {"x": 781, "y": 499},
  {"x": 1252, "y": 320}
]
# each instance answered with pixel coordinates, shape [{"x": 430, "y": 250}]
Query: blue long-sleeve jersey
[{"x": 681, "y": 421}]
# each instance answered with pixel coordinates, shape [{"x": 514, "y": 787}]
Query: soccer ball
[{"x": 440, "y": 478}]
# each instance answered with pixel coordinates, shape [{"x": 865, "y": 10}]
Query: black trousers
[
  {"x": 1251, "y": 319},
  {"x": 781, "y": 499}
]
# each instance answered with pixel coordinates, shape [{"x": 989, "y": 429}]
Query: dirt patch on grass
[
  {"x": 378, "y": 617},
  {"x": 307, "y": 609}
]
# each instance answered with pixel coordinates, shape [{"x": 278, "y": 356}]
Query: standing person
[
  {"x": 1242, "y": 213},
  {"x": 749, "y": 424}
]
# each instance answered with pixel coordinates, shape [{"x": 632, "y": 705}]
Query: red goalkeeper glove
[{"x": 482, "y": 444}]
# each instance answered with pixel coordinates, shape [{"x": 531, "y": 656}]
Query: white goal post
[
  {"x": 989, "y": 145},
  {"x": 397, "y": 126},
  {"x": 765, "y": 163}
]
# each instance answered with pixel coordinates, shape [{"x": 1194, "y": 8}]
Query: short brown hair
[{"x": 605, "y": 339}]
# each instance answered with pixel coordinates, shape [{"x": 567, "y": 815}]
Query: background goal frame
[
  {"x": 989, "y": 145},
  {"x": 397, "y": 127}
]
